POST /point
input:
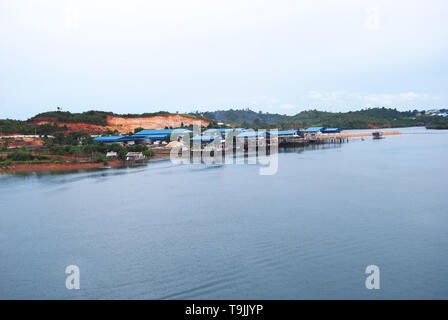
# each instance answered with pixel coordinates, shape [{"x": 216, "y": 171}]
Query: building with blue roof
[
  {"x": 283, "y": 133},
  {"x": 205, "y": 139},
  {"x": 224, "y": 130},
  {"x": 112, "y": 139},
  {"x": 246, "y": 134},
  {"x": 331, "y": 130},
  {"x": 314, "y": 130},
  {"x": 144, "y": 136},
  {"x": 162, "y": 131}
]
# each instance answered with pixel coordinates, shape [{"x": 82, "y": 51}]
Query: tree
[
  {"x": 148, "y": 153},
  {"x": 138, "y": 129},
  {"x": 115, "y": 147},
  {"x": 59, "y": 138},
  {"x": 122, "y": 154},
  {"x": 5, "y": 144}
]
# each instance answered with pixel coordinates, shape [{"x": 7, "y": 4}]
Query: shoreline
[
  {"x": 367, "y": 133},
  {"x": 58, "y": 166},
  {"x": 159, "y": 154}
]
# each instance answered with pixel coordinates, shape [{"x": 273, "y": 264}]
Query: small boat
[{"x": 377, "y": 135}]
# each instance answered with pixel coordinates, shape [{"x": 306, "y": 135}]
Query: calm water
[{"x": 165, "y": 231}]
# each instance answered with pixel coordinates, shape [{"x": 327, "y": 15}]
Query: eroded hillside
[{"x": 125, "y": 124}]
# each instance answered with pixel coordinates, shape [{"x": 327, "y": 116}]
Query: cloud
[
  {"x": 372, "y": 20},
  {"x": 369, "y": 98},
  {"x": 388, "y": 99},
  {"x": 315, "y": 95},
  {"x": 331, "y": 97},
  {"x": 287, "y": 106},
  {"x": 263, "y": 100}
]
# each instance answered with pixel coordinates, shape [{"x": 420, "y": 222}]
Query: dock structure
[
  {"x": 285, "y": 138},
  {"x": 250, "y": 139},
  {"x": 232, "y": 139}
]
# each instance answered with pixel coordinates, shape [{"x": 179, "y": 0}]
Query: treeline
[
  {"x": 96, "y": 117},
  {"x": 362, "y": 119},
  {"x": 92, "y": 117},
  {"x": 23, "y": 127},
  {"x": 21, "y": 155}
]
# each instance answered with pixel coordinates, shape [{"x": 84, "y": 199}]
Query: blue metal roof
[
  {"x": 331, "y": 130},
  {"x": 269, "y": 133},
  {"x": 162, "y": 131},
  {"x": 204, "y": 138},
  {"x": 108, "y": 139},
  {"x": 288, "y": 132},
  {"x": 117, "y": 139},
  {"x": 152, "y": 136},
  {"x": 225, "y": 130},
  {"x": 254, "y": 134},
  {"x": 130, "y": 138},
  {"x": 314, "y": 129}
]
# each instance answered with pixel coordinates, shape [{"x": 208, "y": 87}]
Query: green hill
[{"x": 362, "y": 119}]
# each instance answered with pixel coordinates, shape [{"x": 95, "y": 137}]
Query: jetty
[{"x": 238, "y": 139}]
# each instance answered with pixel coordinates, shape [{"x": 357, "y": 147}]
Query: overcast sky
[{"x": 282, "y": 56}]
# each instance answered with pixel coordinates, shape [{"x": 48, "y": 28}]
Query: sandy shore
[
  {"x": 368, "y": 134},
  {"x": 359, "y": 134}
]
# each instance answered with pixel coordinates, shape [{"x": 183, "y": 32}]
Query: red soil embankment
[
  {"x": 57, "y": 166},
  {"x": 125, "y": 124}
]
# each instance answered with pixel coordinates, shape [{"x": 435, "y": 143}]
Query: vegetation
[
  {"x": 362, "y": 119},
  {"x": 438, "y": 126},
  {"x": 96, "y": 117},
  {"x": 76, "y": 145},
  {"x": 92, "y": 117},
  {"x": 71, "y": 139},
  {"x": 30, "y": 127},
  {"x": 23, "y": 127},
  {"x": 22, "y": 155},
  {"x": 100, "y": 158}
]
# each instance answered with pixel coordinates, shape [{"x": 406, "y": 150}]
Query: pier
[{"x": 284, "y": 143}]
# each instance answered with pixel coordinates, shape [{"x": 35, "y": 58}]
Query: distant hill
[
  {"x": 362, "y": 119},
  {"x": 109, "y": 122},
  {"x": 93, "y": 117},
  {"x": 97, "y": 122}
]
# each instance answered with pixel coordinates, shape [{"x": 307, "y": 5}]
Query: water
[{"x": 225, "y": 232}]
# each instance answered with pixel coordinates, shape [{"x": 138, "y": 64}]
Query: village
[{"x": 82, "y": 151}]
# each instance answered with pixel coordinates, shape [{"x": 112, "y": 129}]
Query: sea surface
[{"x": 165, "y": 231}]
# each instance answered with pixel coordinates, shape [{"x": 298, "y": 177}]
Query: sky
[{"x": 278, "y": 56}]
